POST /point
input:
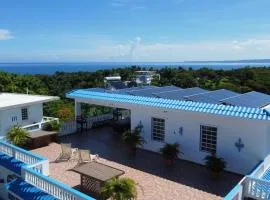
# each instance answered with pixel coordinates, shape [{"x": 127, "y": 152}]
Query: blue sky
[{"x": 133, "y": 30}]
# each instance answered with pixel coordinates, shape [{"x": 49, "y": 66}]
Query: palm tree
[
  {"x": 170, "y": 152},
  {"x": 119, "y": 189},
  {"x": 18, "y": 136},
  {"x": 133, "y": 139},
  {"x": 215, "y": 165}
]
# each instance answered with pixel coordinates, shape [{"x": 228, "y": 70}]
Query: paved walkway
[{"x": 184, "y": 181}]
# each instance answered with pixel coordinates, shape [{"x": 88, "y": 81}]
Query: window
[
  {"x": 208, "y": 139},
  {"x": 14, "y": 118},
  {"x": 24, "y": 114},
  {"x": 158, "y": 129}
]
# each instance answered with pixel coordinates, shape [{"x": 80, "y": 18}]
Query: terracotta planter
[{"x": 168, "y": 162}]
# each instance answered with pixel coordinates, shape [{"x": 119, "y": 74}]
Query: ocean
[{"x": 50, "y": 68}]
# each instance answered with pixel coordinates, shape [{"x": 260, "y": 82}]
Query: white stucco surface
[{"x": 11, "y": 100}]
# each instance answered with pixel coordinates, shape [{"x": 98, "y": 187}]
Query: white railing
[
  {"x": 38, "y": 126},
  {"x": 39, "y": 163},
  {"x": 253, "y": 186},
  {"x": 70, "y": 126},
  {"x": 256, "y": 188},
  {"x": 51, "y": 186}
]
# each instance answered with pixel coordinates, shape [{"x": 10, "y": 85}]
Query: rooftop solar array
[
  {"x": 195, "y": 94},
  {"x": 180, "y": 94},
  {"x": 226, "y": 110},
  {"x": 250, "y": 99},
  {"x": 148, "y": 92},
  {"x": 212, "y": 96}
]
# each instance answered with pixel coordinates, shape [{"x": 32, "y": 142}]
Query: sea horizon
[{"x": 52, "y": 67}]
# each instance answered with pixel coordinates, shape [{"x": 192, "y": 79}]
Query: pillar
[{"x": 77, "y": 109}]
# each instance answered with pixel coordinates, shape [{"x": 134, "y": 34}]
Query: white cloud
[
  {"x": 138, "y": 50},
  {"x": 5, "y": 34}
]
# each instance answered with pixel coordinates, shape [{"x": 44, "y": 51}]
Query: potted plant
[
  {"x": 215, "y": 164},
  {"x": 119, "y": 189},
  {"x": 17, "y": 136},
  {"x": 170, "y": 152},
  {"x": 133, "y": 139}
]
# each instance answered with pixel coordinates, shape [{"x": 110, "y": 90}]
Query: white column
[{"x": 77, "y": 109}]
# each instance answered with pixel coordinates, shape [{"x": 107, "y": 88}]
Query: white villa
[
  {"x": 234, "y": 126},
  {"x": 23, "y": 174},
  {"x": 21, "y": 109}
]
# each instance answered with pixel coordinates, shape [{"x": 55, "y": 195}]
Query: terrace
[
  {"x": 185, "y": 180},
  {"x": 30, "y": 174}
]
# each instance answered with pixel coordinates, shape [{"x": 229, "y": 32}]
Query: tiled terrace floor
[{"x": 184, "y": 181}]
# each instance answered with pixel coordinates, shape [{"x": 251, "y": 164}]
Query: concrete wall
[
  {"x": 35, "y": 114},
  {"x": 255, "y": 135}
]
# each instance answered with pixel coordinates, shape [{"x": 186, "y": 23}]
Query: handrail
[
  {"x": 53, "y": 187},
  {"x": 11, "y": 150},
  {"x": 38, "y": 126}
]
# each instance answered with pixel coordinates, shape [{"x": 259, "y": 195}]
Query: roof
[
  {"x": 225, "y": 110},
  {"x": 98, "y": 171},
  {"x": 149, "y": 92},
  {"x": 250, "y": 99},
  {"x": 10, "y": 100},
  {"x": 212, "y": 96},
  {"x": 11, "y": 163},
  {"x": 117, "y": 84},
  {"x": 180, "y": 94},
  {"x": 27, "y": 191}
]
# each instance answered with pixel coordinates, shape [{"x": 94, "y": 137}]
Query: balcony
[
  {"x": 33, "y": 173},
  {"x": 39, "y": 125},
  {"x": 254, "y": 186}
]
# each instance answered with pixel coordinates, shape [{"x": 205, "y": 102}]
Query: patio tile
[{"x": 185, "y": 180}]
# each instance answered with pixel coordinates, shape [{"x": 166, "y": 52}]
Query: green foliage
[
  {"x": 133, "y": 137},
  {"x": 17, "y": 136},
  {"x": 214, "y": 163},
  {"x": 119, "y": 189},
  {"x": 239, "y": 80},
  {"x": 170, "y": 151},
  {"x": 51, "y": 126}
]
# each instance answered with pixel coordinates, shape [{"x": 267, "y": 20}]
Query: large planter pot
[
  {"x": 132, "y": 151},
  {"x": 215, "y": 175},
  {"x": 168, "y": 162}
]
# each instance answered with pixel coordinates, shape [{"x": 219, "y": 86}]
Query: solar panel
[
  {"x": 128, "y": 90},
  {"x": 212, "y": 96},
  {"x": 180, "y": 94},
  {"x": 149, "y": 92},
  {"x": 250, "y": 99}
]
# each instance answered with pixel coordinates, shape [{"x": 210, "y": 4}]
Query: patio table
[{"x": 94, "y": 174}]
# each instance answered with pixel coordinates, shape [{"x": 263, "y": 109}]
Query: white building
[
  {"x": 22, "y": 110},
  {"x": 144, "y": 77},
  {"x": 238, "y": 134},
  {"x": 23, "y": 174}
]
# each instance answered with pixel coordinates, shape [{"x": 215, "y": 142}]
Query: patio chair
[
  {"x": 66, "y": 153},
  {"x": 85, "y": 156}
]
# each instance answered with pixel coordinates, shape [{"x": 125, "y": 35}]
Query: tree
[
  {"x": 133, "y": 138},
  {"x": 17, "y": 136},
  {"x": 170, "y": 152},
  {"x": 215, "y": 165},
  {"x": 119, "y": 189},
  {"x": 65, "y": 114}
]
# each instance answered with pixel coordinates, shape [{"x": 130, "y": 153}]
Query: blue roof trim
[
  {"x": 27, "y": 191},
  {"x": 11, "y": 163},
  {"x": 226, "y": 110}
]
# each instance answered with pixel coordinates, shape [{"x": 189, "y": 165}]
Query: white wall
[
  {"x": 35, "y": 114},
  {"x": 254, "y": 135}
]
